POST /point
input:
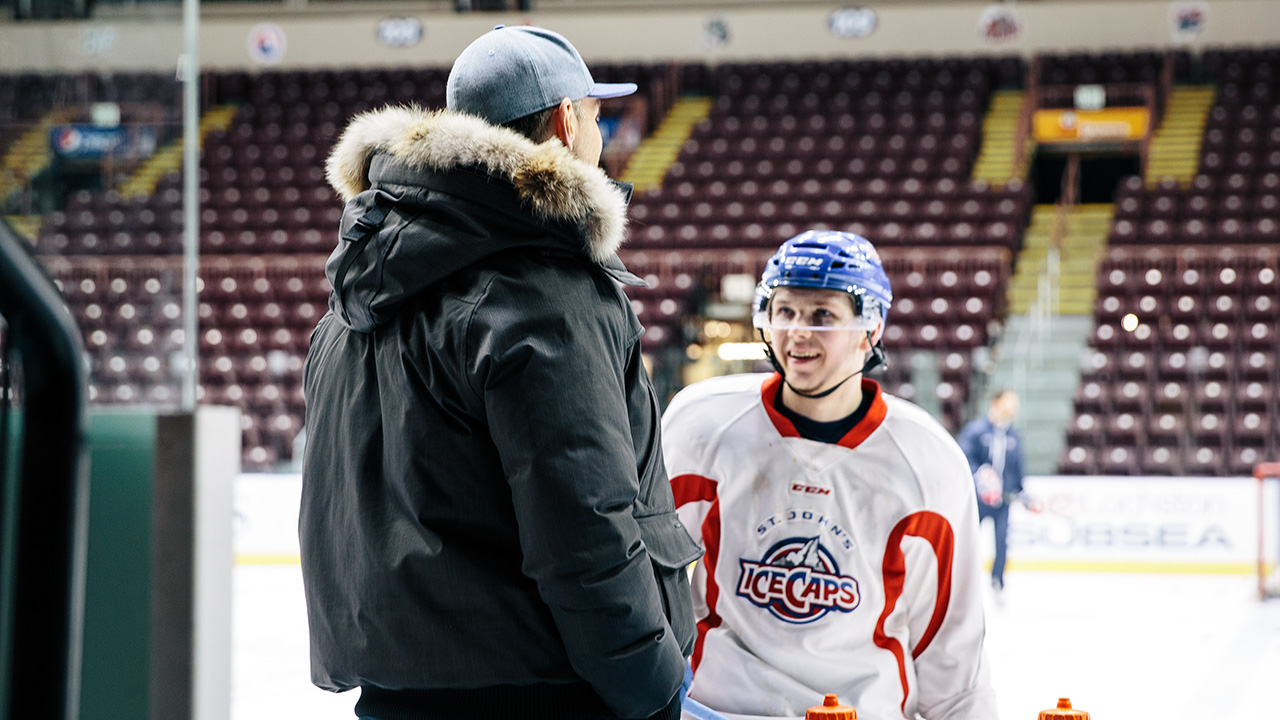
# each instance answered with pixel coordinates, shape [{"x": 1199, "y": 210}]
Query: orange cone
[
  {"x": 1063, "y": 712},
  {"x": 831, "y": 709}
]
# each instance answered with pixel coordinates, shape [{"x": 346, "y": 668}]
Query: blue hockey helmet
[{"x": 828, "y": 260}]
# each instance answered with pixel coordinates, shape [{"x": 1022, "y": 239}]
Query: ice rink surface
[{"x": 1121, "y": 646}]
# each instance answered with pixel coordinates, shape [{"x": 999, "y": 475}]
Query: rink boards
[{"x": 1091, "y": 524}]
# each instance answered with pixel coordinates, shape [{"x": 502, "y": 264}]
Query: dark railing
[{"x": 44, "y": 506}]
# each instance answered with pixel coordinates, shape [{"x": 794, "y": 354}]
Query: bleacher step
[
  {"x": 30, "y": 154},
  {"x": 168, "y": 159},
  {"x": 1081, "y": 250},
  {"x": 997, "y": 157},
  {"x": 1046, "y": 383},
  {"x": 1174, "y": 151},
  {"x": 657, "y": 153}
]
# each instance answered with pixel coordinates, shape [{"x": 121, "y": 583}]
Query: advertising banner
[
  {"x": 1144, "y": 524},
  {"x": 87, "y": 142},
  {"x": 1086, "y": 524},
  {"x": 1105, "y": 125}
]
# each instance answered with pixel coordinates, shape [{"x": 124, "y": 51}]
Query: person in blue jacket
[{"x": 994, "y": 449}]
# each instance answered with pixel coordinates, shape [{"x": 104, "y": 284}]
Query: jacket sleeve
[
  {"x": 968, "y": 439},
  {"x": 1017, "y": 457},
  {"x": 549, "y": 364},
  {"x": 952, "y": 671}
]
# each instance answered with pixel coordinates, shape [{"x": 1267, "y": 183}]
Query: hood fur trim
[{"x": 551, "y": 181}]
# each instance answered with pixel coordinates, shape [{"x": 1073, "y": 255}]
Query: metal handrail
[
  {"x": 1029, "y": 351},
  {"x": 45, "y": 510},
  {"x": 1022, "y": 132}
]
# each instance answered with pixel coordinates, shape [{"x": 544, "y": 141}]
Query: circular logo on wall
[
  {"x": 999, "y": 24},
  {"x": 715, "y": 32},
  {"x": 98, "y": 40},
  {"x": 852, "y": 22},
  {"x": 399, "y": 32},
  {"x": 267, "y": 43},
  {"x": 1187, "y": 20}
]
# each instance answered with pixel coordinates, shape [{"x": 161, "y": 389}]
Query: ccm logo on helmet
[{"x": 801, "y": 260}]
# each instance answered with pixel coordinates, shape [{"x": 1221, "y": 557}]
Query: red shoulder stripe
[{"x": 692, "y": 488}]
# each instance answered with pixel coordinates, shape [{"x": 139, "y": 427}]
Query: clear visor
[{"x": 783, "y": 322}]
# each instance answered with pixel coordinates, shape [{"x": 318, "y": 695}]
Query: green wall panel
[{"x": 117, "y": 638}]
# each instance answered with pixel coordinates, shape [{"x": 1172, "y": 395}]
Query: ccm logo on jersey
[
  {"x": 809, "y": 489},
  {"x": 798, "y": 581}
]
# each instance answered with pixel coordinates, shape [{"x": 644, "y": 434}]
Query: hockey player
[{"x": 839, "y": 523}]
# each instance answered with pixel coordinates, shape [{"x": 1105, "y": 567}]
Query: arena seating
[
  {"x": 879, "y": 147},
  {"x": 1233, "y": 208},
  {"x": 268, "y": 220},
  {"x": 256, "y": 314},
  {"x": 1236, "y": 197},
  {"x": 24, "y": 99},
  {"x": 1192, "y": 388},
  {"x": 1242, "y": 133},
  {"x": 1126, "y": 77},
  {"x": 1100, "y": 68},
  {"x": 883, "y": 148}
]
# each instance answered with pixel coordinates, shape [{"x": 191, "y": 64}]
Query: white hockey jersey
[{"x": 847, "y": 568}]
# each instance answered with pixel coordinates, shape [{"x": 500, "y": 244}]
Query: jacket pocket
[{"x": 670, "y": 551}]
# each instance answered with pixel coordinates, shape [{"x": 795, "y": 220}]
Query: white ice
[{"x": 1121, "y": 646}]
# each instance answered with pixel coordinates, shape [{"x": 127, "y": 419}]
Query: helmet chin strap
[{"x": 878, "y": 357}]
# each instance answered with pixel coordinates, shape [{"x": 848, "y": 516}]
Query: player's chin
[{"x": 805, "y": 382}]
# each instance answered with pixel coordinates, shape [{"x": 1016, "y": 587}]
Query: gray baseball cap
[{"x": 510, "y": 72}]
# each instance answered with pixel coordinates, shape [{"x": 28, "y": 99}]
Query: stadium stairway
[
  {"x": 30, "y": 153},
  {"x": 28, "y": 226},
  {"x": 1042, "y": 363},
  {"x": 1175, "y": 147},
  {"x": 997, "y": 162},
  {"x": 1083, "y": 247},
  {"x": 655, "y": 155},
  {"x": 1042, "y": 347},
  {"x": 168, "y": 159}
]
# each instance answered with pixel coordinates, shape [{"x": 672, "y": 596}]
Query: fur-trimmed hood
[
  {"x": 552, "y": 182},
  {"x": 436, "y": 191}
]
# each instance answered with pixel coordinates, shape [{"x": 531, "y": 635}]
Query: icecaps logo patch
[{"x": 798, "y": 581}]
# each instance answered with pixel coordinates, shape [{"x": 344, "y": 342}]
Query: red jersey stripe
[
  {"x": 869, "y": 422},
  {"x": 932, "y": 527},
  {"x": 711, "y": 541},
  {"x": 769, "y": 392},
  {"x": 693, "y": 488}
]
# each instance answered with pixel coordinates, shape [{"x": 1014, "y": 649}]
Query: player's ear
[{"x": 876, "y": 335}]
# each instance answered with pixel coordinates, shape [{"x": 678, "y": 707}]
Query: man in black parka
[{"x": 487, "y": 529}]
